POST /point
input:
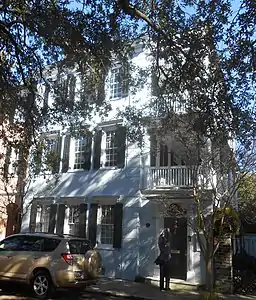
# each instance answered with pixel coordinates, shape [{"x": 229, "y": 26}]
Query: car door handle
[{"x": 35, "y": 258}]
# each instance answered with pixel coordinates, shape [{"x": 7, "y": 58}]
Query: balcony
[{"x": 176, "y": 176}]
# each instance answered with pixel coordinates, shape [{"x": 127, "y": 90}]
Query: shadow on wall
[
  {"x": 137, "y": 255},
  {"x": 108, "y": 261},
  {"x": 102, "y": 182},
  {"x": 130, "y": 247},
  {"x": 123, "y": 263},
  {"x": 148, "y": 239}
]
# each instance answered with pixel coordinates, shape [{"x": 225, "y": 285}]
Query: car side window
[
  {"x": 50, "y": 244},
  {"x": 31, "y": 243},
  {"x": 11, "y": 243}
]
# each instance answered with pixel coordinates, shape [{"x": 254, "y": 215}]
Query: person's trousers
[{"x": 164, "y": 276}]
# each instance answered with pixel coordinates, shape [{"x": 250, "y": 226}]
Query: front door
[{"x": 178, "y": 228}]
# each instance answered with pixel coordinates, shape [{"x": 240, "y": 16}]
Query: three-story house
[{"x": 110, "y": 190}]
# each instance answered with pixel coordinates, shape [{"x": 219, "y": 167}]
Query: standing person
[{"x": 163, "y": 260}]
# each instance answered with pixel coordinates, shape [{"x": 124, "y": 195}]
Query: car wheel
[{"x": 42, "y": 285}]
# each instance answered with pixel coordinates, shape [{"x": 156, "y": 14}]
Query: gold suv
[{"x": 49, "y": 261}]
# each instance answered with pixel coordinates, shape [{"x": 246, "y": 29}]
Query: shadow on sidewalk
[{"x": 135, "y": 290}]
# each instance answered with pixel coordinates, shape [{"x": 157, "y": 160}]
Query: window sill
[
  {"x": 105, "y": 247},
  {"x": 109, "y": 168},
  {"x": 118, "y": 98},
  {"x": 77, "y": 170}
]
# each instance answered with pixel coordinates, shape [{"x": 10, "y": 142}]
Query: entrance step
[
  {"x": 176, "y": 284},
  {"x": 173, "y": 187}
]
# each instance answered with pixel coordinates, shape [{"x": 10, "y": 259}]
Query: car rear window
[{"x": 79, "y": 246}]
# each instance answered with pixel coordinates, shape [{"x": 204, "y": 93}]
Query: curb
[
  {"x": 116, "y": 294},
  {"x": 133, "y": 297}
]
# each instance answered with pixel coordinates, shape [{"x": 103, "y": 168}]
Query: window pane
[
  {"x": 50, "y": 244},
  {"x": 73, "y": 219},
  {"x": 80, "y": 145},
  {"x": 45, "y": 218},
  {"x": 11, "y": 244},
  {"x": 74, "y": 211},
  {"x": 111, "y": 149},
  {"x": 51, "y": 145},
  {"x": 118, "y": 83},
  {"x": 31, "y": 243},
  {"x": 107, "y": 224}
]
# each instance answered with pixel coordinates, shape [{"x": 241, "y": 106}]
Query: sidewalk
[{"x": 144, "y": 291}]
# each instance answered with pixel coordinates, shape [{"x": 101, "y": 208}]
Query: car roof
[
  {"x": 51, "y": 235},
  {"x": 42, "y": 234}
]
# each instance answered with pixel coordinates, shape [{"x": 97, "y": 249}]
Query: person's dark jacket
[{"x": 165, "y": 249}]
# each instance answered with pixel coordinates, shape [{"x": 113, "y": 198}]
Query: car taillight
[{"x": 68, "y": 258}]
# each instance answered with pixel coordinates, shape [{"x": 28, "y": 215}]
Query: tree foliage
[
  {"x": 36, "y": 34},
  {"x": 183, "y": 35},
  {"x": 247, "y": 198},
  {"x": 202, "y": 59},
  {"x": 43, "y": 44}
]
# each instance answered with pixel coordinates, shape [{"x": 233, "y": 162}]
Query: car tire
[{"x": 41, "y": 285}]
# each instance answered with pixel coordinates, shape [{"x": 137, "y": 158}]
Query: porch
[
  {"x": 170, "y": 177},
  {"x": 180, "y": 176}
]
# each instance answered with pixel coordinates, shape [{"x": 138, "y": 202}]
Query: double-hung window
[
  {"x": 111, "y": 149},
  {"x": 73, "y": 219},
  {"x": 118, "y": 82},
  {"x": 42, "y": 218},
  {"x": 80, "y": 145},
  {"x": 106, "y": 215},
  {"x": 51, "y": 144},
  {"x": 15, "y": 161},
  {"x": 52, "y": 152}
]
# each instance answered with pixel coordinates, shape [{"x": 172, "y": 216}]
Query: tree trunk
[
  {"x": 209, "y": 273},
  {"x": 12, "y": 213},
  {"x": 20, "y": 187}
]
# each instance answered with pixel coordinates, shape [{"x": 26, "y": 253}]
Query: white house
[{"x": 110, "y": 191}]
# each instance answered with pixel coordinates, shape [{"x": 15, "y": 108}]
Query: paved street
[
  {"x": 18, "y": 293},
  {"x": 115, "y": 287}
]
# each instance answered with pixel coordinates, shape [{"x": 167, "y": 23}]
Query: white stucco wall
[{"x": 139, "y": 243}]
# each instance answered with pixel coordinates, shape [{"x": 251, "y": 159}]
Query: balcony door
[
  {"x": 163, "y": 155},
  {"x": 167, "y": 157}
]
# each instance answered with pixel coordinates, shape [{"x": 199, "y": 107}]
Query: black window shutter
[
  {"x": 64, "y": 87},
  {"x": 174, "y": 161},
  {"x": 97, "y": 149},
  {"x": 121, "y": 143},
  {"x": 52, "y": 221},
  {"x": 32, "y": 220},
  {"x": 46, "y": 97},
  {"x": 82, "y": 219},
  {"x": 118, "y": 225},
  {"x": 60, "y": 218},
  {"x": 88, "y": 151},
  {"x": 164, "y": 155},
  {"x": 65, "y": 159},
  {"x": 56, "y": 167},
  {"x": 7, "y": 161},
  {"x": 72, "y": 90},
  {"x": 37, "y": 158},
  {"x": 153, "y": 150},
  {"x": 154, "y": 83},
  {"x": 93, "y": 223}
]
